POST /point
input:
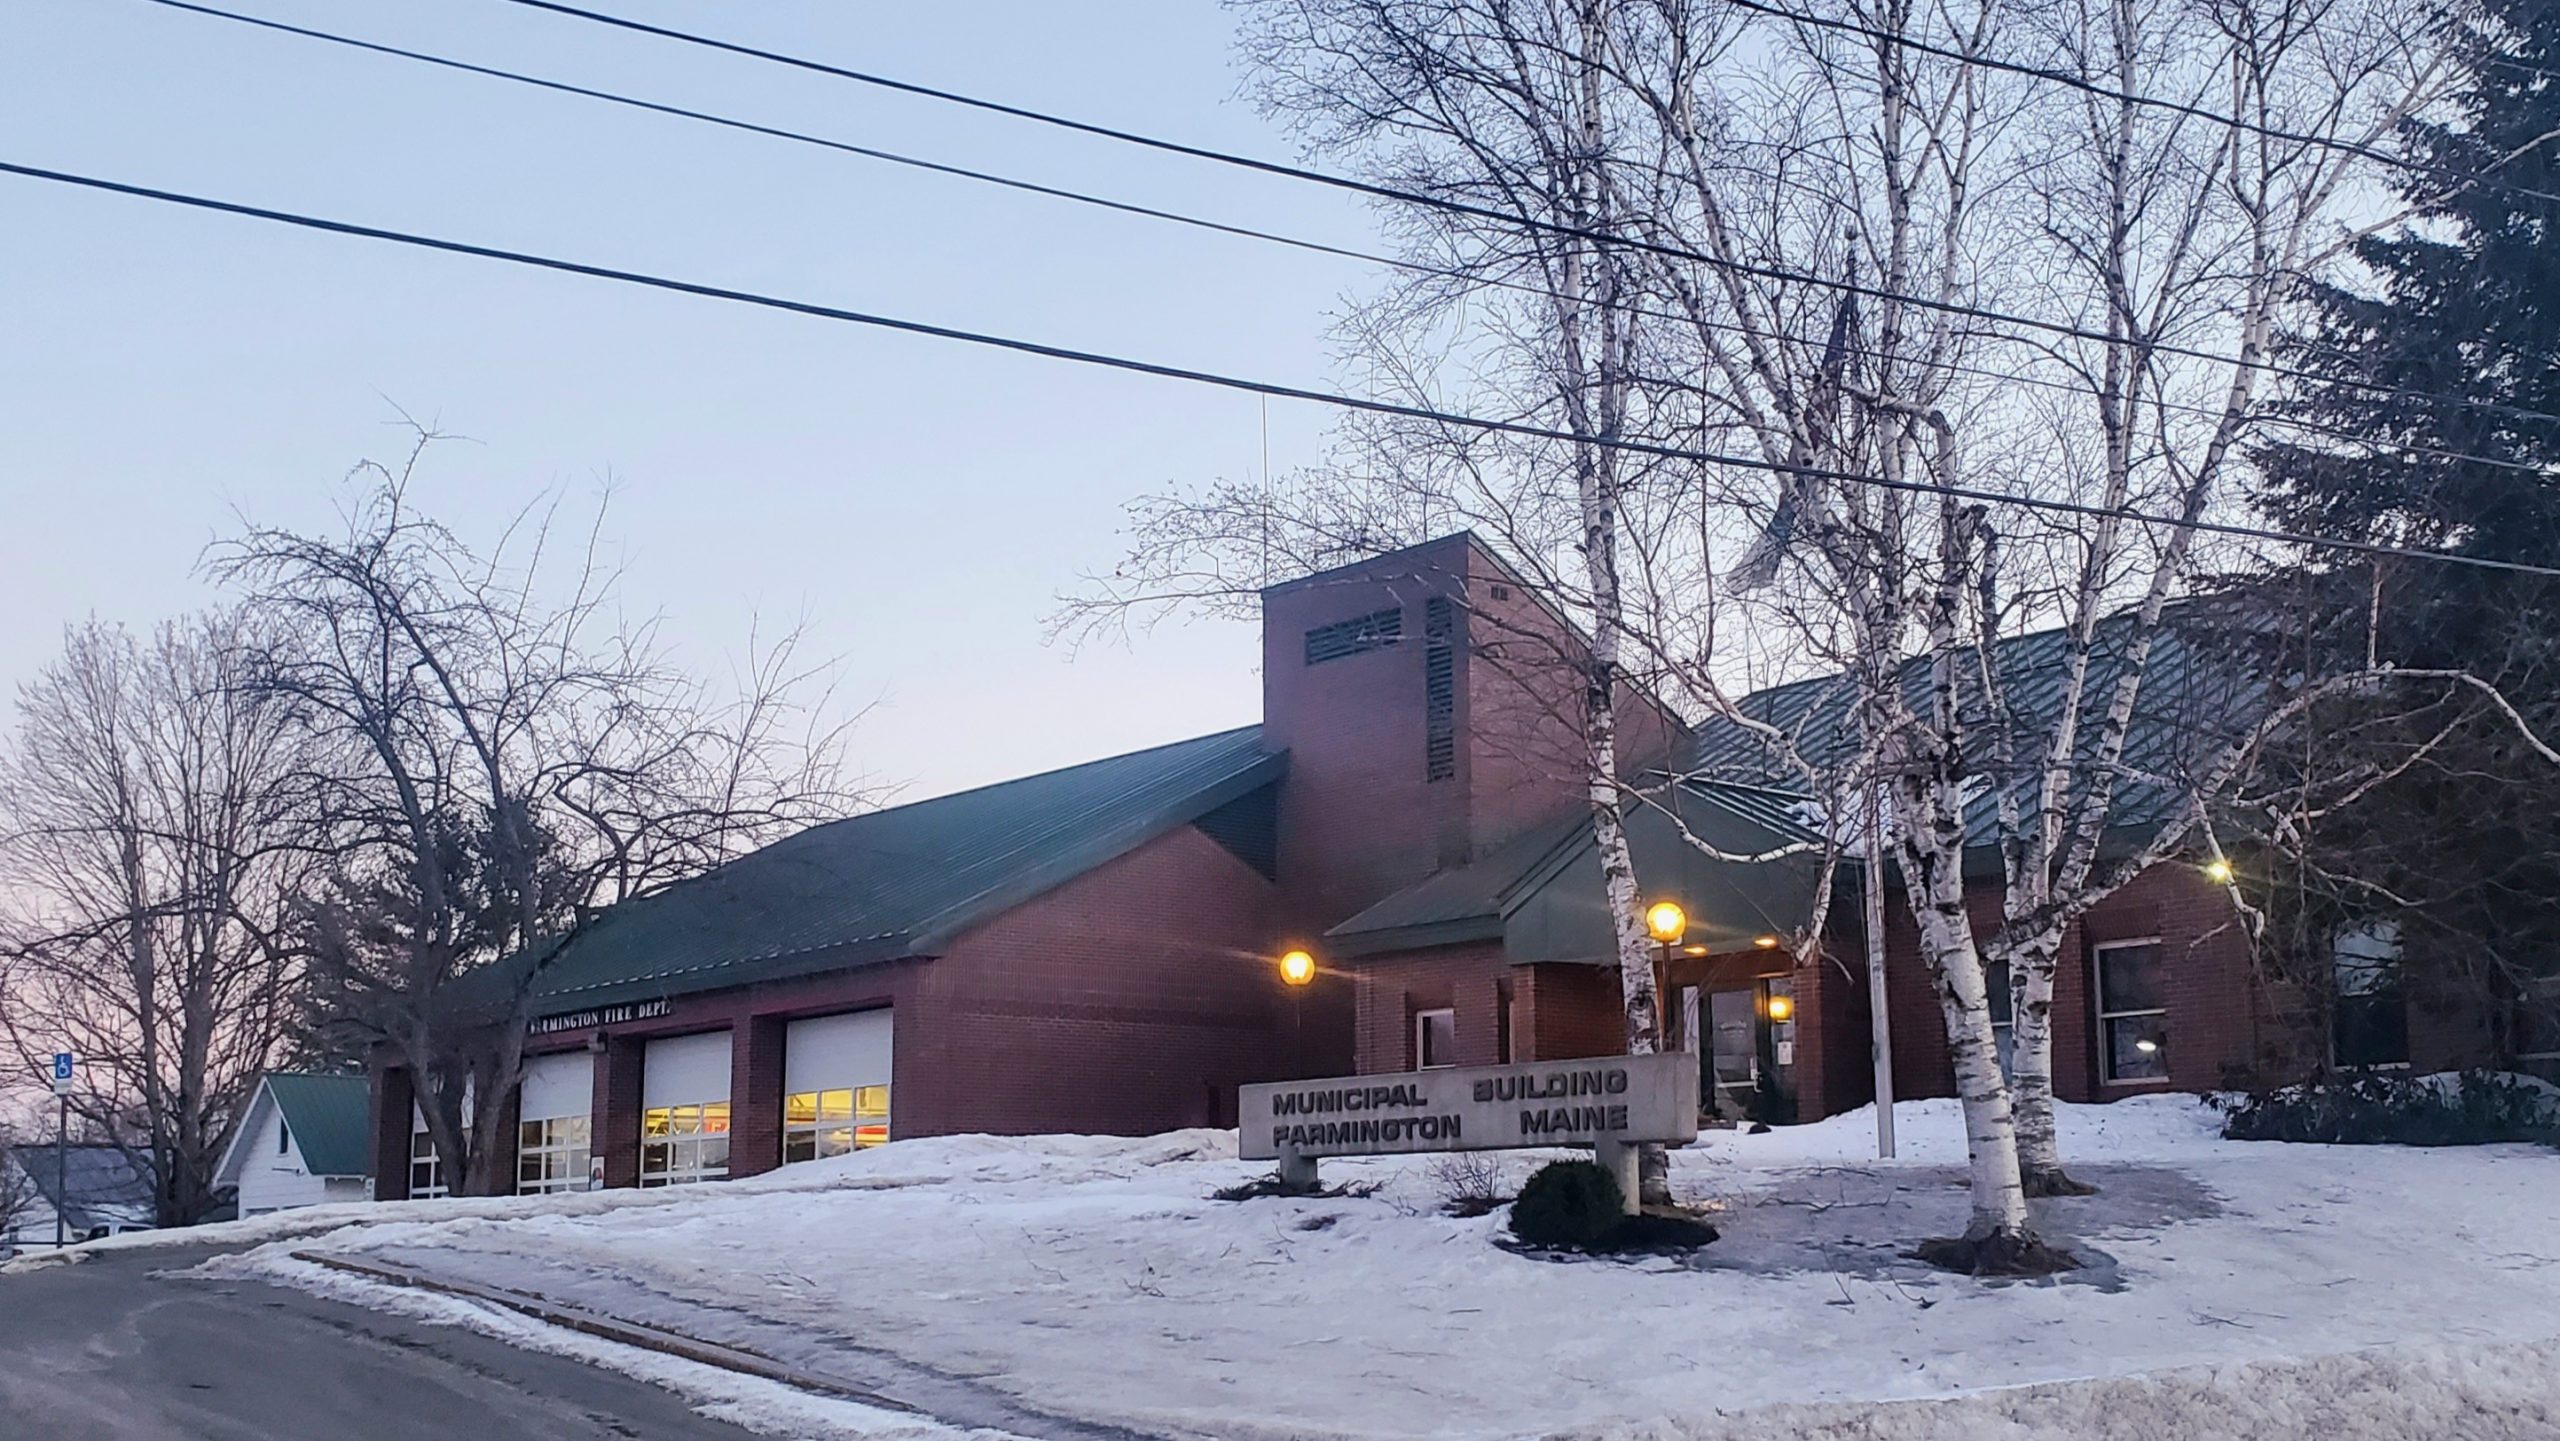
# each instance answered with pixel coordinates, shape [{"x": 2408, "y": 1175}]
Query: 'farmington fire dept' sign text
[
  {"x": 609, "y": 1016},
  {"x": 1475, "y": 1108}
]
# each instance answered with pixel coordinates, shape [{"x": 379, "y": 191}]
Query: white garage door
[
  {"x": 556, "y": 1086},
  {"x": 684, "y": 1109},
  {"x": 552, "y": 1127},
  {"x": 835, "y": 1084}
]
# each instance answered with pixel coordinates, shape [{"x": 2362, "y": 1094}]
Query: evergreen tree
[{"x": 2434, "y": 425}]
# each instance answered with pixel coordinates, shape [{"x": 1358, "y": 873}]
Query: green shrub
[
  {"x": 1568, "y": 1205},
  {"x": 2378, "y": 1109}
]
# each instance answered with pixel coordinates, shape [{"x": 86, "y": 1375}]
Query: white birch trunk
[{"x": 1998, "y": 1188}]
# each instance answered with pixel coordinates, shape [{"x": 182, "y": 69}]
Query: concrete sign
[{"x": 1606, "y": 1101}]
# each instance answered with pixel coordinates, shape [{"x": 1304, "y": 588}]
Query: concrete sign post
[{"x": 1610, "y": 1103}]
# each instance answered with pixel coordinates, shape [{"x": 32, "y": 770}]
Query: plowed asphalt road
[{"x": 105, "y": 1350}]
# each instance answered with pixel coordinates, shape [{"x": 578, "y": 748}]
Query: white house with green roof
[{"x": 300, "y": 1143}]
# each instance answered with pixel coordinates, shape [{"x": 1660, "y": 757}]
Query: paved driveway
[{"x": 106, "y": 1351}]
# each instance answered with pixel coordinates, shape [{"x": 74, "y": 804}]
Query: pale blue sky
[{"x": 164, "y": 371}]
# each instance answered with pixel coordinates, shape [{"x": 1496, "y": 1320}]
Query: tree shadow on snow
[{"x": 1861, "y": 1222}]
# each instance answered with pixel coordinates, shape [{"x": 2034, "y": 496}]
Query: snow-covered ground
[{"x": 1095, "y": 1279}]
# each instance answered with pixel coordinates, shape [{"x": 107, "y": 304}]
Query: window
[
  {"x": 2133, "y": 1012},
  {"x": 284, "y": 1137},
  {"x": 683, "y": 1144},
  {"x": 2538, "y": 1021},
  {"x": 1502, "y": 1023},
  {"x": 2369, "y": 1021},
  {"x": 2004, "y": 1042},
  {"x": 426, "y": 1168},
  {"x": 819, "y": 1124},
  {"x": 1435, "y": 1038},
  {"x": 551, "y": 1155},
  {"x": 1354, "y": 636}
]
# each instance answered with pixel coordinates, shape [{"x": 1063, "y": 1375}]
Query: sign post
[
  {"x": 1610, "y": 1103},
  {"x": 65, "y": 1067}
]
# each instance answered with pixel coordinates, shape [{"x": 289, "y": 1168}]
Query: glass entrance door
[{"x": 1745, "y": 1039}]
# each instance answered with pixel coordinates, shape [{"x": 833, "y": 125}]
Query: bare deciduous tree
[
  {"x": 149, "y": 863},
  {"x": 495, "y": 757}
]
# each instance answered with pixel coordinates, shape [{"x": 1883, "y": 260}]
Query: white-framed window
[
  {"x": 1435, "y": 1038},
  {"x": 2538, "y": 1029},
  {"x": 551, "y": 1155},
  {"x": 683, "y": 1144},
  {"x": 819, "y": 1124},
  {"x": 426, "y": 1168},
  {"x": 2133, "y": 1011},
  {"x": 284, "y": 1137},
  {"x": 2004, "y": 1015},
  {"x": 2369, "y": 1013}
]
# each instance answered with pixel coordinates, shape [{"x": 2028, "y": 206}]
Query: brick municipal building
[{"x": 1094, "y": 949}]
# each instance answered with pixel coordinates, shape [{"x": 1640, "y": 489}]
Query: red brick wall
[
  {"x": 1521, "y": 739},
  {"x": 1556, "y": 1011},
  {"x": 1132, "y": 999},
  {"x": 2218, "y": 1014},
  {"x": 390, "y": 1124},
  {"x": 1468, "y": 978},
  {"x": 1579, "y": 1011},
  {"x": 1360, "y": 819},
  {"x": 2217, "y": 1011}
]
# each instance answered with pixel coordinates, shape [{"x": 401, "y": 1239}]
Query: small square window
[{"x": 1435, "y": 1038}]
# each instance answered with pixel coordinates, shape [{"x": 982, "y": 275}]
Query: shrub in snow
[
  {"x": 1470, "y": 1183},
  {"x": 2374, "y": 1109},
  {"x": 1568, "y": 1205}
]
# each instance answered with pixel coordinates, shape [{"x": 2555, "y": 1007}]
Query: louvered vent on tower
[
  {"x": 1439, "y": 689},
  {"x": 1353, "y": 636}
]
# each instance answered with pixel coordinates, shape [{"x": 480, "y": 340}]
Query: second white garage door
[
  {"x": 551, "y": 1122},
  {"x": 684, "y": 1109},
  {"x": 835, "y": 1084}
]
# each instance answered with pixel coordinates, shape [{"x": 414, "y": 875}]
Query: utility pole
[{"x": 1879, "y": 1016}]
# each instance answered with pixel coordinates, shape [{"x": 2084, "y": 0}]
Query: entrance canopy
[{"x": 1739, "y": 859}]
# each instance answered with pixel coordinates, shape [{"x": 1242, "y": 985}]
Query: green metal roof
[
  {"x": 328, "y": 1116},
  {"x": 904, "y": 880},
  {"x": 1541, "y": 894},
  {"x": 2204, "y": 684}
]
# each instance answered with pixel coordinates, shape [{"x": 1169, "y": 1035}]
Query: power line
[
  {"x": 1238, "y": 383},
  {"x": 1149, "y": 212},
  {"x": 2126, "y": 97},
  {"x": 1374, "y": 189}
]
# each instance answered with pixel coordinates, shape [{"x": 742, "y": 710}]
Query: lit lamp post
[
  {"x": 1297, "y": 970},
  {"x": 1666, "y": 923}
]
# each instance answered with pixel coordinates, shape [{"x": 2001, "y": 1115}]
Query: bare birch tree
[
  {"x": 1502, "y": 119},
  {"x": 149, "y": 866},
  {"x": 495, "y": 757},
  {"x": 2171, "y": 237}
]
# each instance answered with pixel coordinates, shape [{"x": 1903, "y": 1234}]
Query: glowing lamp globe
[
  {"x": 1297, "y": 968},
  {"x": 1667, "y": 922}
]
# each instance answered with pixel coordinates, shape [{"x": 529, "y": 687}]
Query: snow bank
[
  {"x": 1093, "y": 1278},
  {"x": 2485, "y": 1393}
]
